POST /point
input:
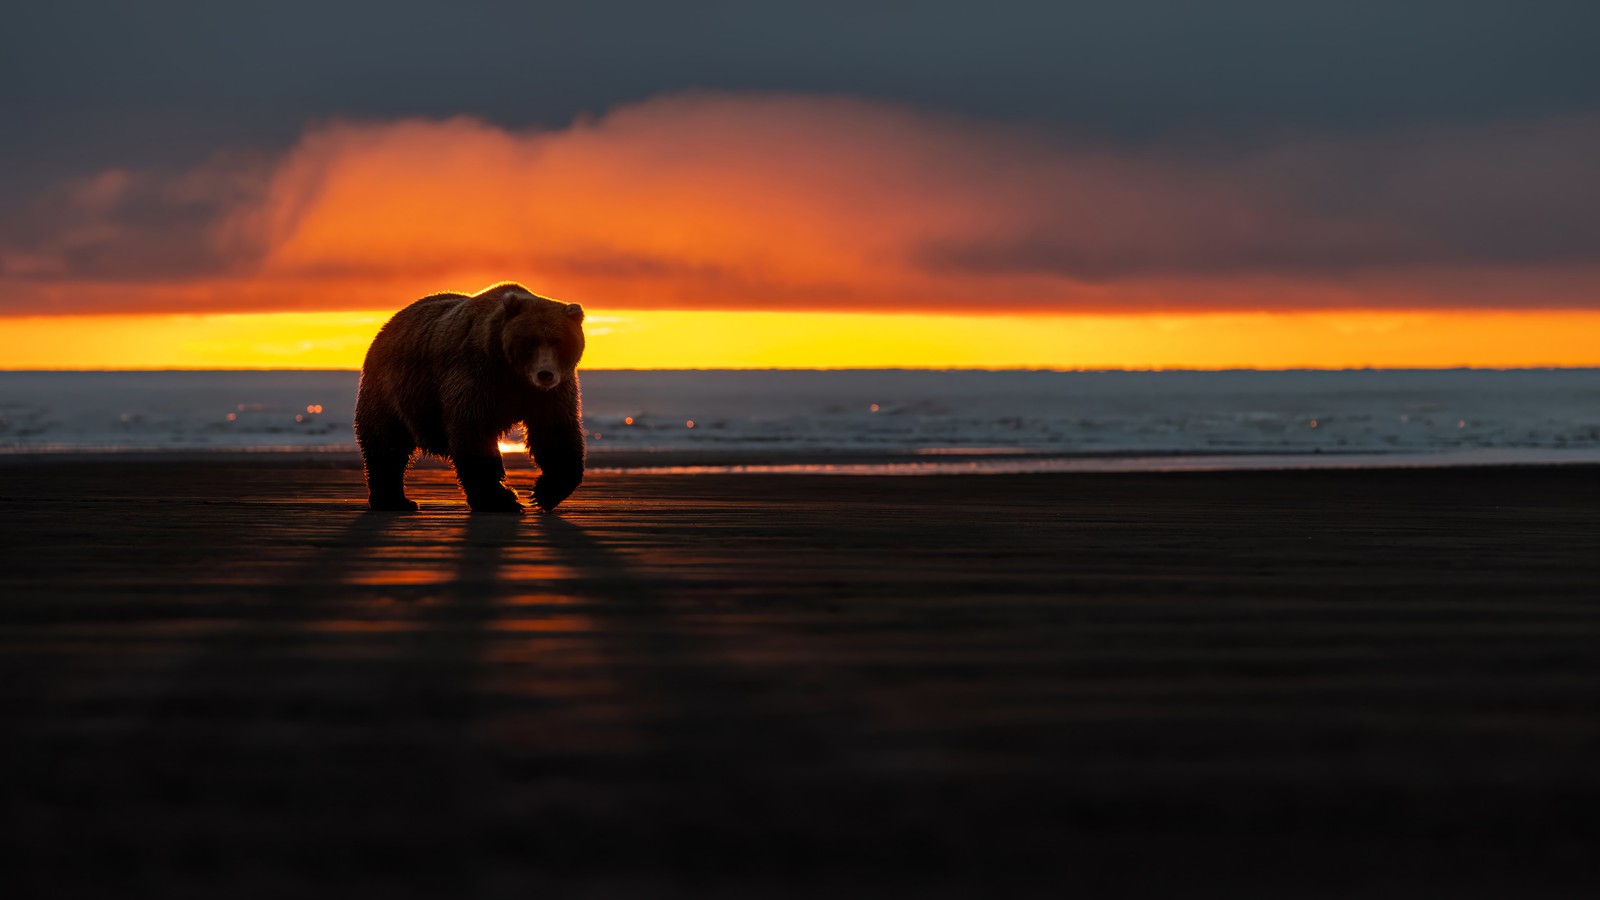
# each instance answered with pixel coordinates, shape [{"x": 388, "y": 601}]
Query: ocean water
[{"x": 911, "y": 420}]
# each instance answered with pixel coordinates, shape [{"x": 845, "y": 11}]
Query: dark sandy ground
[{"x": 225, "y": 679}]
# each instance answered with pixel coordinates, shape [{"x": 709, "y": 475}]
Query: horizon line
[{"x": 990, "y": 369}]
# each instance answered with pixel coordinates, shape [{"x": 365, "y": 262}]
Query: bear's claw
[{"x": 549, "y": 498}]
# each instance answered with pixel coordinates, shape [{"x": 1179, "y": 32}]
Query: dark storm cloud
[
  {"x": 1130, "y": 66},
  {"x": 1517, "y": 194},
  {"x": 130, "y": 225}
]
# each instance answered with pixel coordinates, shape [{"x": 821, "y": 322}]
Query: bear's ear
[{"x": 574, "y": 311}]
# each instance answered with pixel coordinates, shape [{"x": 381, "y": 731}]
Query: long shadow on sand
[
  {"x": 732, "y": 770},
  {"x": 313, "y": 732},
  {"x": 418, "y": 700},
  {"x": 665, "y": 648}
]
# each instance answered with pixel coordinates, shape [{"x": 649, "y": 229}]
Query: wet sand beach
[{"x": 225, "y": 678}]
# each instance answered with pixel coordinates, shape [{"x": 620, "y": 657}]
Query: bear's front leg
[
  {"x": 558, "y": 451},
  {"x": 558, "y": 478},
  {"x": 482, "y": 474}
]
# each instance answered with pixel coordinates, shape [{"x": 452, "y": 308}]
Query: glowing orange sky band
[{"x": 646, "y": 339}]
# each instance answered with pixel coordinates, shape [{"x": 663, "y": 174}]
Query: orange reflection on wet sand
[
  {"x": 392, "y": 577},
  {"x": 402, "y": 566},
  {"x": 537, "y": 572},
  {"x": 363, "y": 626},
  {"x": 558, "y": 624}
]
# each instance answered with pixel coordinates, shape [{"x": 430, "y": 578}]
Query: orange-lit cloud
[{"x": 755, "y": 202}]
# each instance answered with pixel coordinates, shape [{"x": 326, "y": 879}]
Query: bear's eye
[{"x": 556, "y": 343}]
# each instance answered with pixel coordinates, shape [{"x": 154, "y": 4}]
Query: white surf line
[{"x": 1177, "y": 463}]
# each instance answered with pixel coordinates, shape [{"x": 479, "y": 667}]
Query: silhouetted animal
[{"x": 450, "y": 374}]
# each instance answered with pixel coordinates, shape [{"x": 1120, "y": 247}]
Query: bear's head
[{"x": 542, "y": 339}]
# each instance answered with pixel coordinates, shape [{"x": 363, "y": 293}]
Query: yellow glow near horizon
[{"x": 655, "y": 339}]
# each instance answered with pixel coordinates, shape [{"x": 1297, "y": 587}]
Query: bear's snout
[{"x": 545, "y": 372}]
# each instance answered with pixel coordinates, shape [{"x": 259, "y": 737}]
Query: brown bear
[{"x": 450, "y": 374}]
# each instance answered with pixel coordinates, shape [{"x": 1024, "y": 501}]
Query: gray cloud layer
[
  {"x": 87, "y": 85},
  {"x": 202, "y": 72},
  {"x": 1122, "y": 65}
]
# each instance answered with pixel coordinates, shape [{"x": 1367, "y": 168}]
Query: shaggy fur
[{"x": 451, "y": 374}]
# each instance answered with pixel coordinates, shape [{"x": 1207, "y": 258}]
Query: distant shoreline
[
  {"x": 932, "y": 462},
  {"x": 1165, "y": 370}
]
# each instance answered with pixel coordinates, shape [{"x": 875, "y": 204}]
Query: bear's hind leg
[
  {"x": 386, "y": 455},
  {"x": 386, "y": 481},
  {"x": 482, "y": 474}
]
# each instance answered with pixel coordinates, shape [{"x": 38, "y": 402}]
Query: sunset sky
[{"x": 1139, "y": 184}]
